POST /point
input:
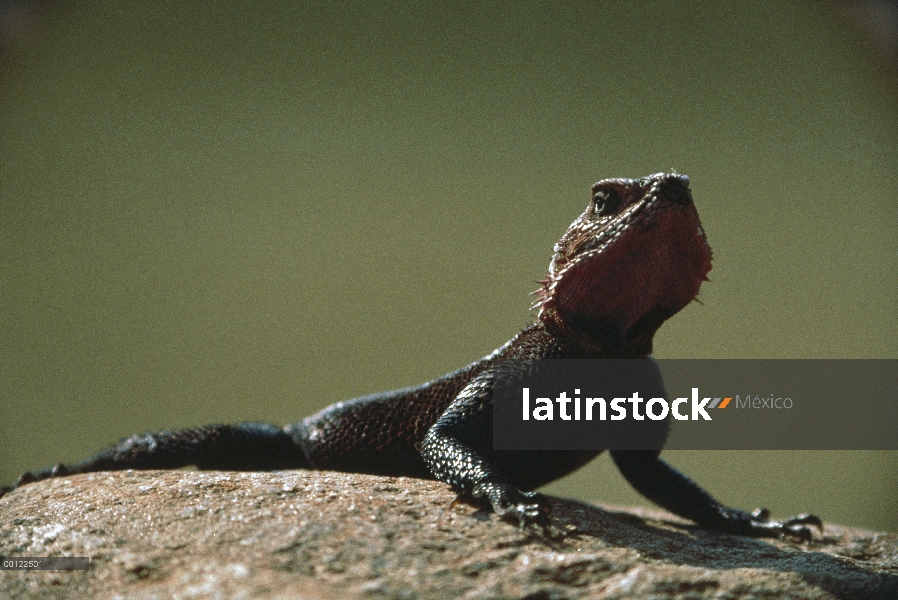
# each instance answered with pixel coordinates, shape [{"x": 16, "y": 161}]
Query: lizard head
[{"x": 634, "y": 258}]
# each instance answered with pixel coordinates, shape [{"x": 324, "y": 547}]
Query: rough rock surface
[{"x": 300, "y": 534}]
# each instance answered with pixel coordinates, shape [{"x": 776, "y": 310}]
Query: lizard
[{"x": 635, "y": 257}]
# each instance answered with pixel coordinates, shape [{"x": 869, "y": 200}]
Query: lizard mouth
[{"x": 637, "y": 249}]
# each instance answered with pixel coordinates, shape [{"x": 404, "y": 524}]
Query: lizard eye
[{"x": 607, "y": 202}]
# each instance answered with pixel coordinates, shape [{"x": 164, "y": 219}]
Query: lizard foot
[
  {"x": 760, "y": 525},
  {"x": 511, "y": 504}
]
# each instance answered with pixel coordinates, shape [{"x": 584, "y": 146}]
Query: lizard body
[{"x": 634, "y": 258}]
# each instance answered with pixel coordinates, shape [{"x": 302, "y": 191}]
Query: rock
[{"x": 306, "y": 534}]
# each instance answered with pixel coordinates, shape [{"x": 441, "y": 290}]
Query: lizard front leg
[
  {"x": 453, "y": 451},
  {"x": 243, "y": 447},
  {"x": 670, "y": 489}
]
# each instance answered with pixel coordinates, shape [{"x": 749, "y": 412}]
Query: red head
[{"x": 635, "y": 257}]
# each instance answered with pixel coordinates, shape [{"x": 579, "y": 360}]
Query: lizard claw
[
  {"x": 511, "y": 504},
  {"x": 796, "y": 526},
  {"x": 530, "y": 508}
]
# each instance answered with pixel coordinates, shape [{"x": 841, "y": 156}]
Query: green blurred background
[{"x": 216, "y": 213}]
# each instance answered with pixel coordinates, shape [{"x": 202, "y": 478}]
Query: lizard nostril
[{"x": 676, "y": 190}]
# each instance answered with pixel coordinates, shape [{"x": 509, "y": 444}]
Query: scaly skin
[{"x": 634, "y": 258}]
